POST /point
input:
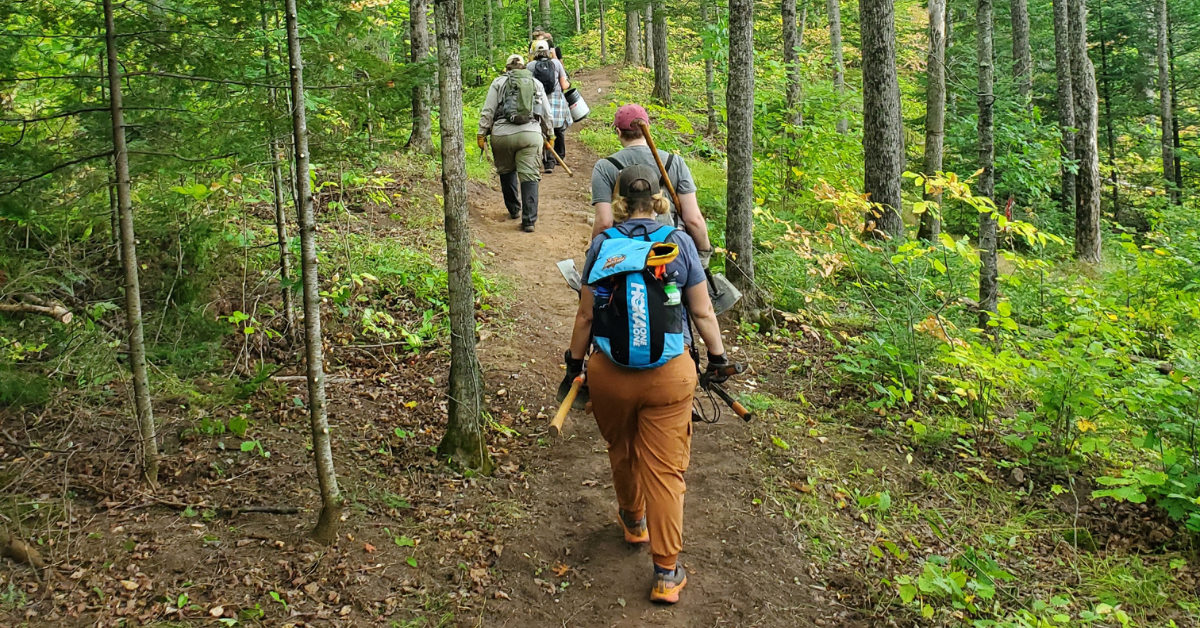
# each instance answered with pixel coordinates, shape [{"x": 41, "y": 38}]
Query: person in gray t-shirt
[{"x": 636, "y": 151}]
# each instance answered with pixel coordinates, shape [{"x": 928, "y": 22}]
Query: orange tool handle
[
  {"x": 557, "y": 422},
  {"x": 550, "y": 147}
]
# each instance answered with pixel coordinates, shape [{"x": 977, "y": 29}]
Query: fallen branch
[
  {"x": 262, "y": 510},
  {"x": 34, "y": 305},
  {"x": 17, "y": 550},
  {"x": 328, "y": 380}
]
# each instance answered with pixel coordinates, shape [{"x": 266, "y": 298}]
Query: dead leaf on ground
[{"x": 561, "y": 570}]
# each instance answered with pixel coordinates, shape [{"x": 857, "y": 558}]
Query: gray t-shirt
[
  {"x": 604, "y": 175},
  {"x": 686, "y": 268}
]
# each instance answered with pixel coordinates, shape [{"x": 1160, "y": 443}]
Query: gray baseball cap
[{"x": 632, "y": 174}]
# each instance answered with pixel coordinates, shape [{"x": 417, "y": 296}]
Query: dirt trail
[{"x": 744, "y": 569}]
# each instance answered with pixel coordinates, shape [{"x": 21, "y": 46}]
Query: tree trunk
[
  {"x": 739, "y": 99},
  {"x": 577, "y": 17},
  {"x": 935, "y": 113},
  {"x": 791, "y": 63},
  {"x": 276, "y": 151},
  {"x": 529, "y": 18},
  {"x": 1065, "y": 98},
  {"x": 1175, "y": 109},
  {"x": 603, "y": 35},
  {"x": 1109, "y": 133},
  {"x": 133, "y": 294},
  {"x": 633, "y": 34},
  {"x": 1164, "y": 99},
  {"x": 1083, "y": 82},
  {"x": 545, "y": 7},
  {"x": 1022, "y": 56},
  {"x": 839, "y": 68},
  {"x": 491, "y": 40},
  {"x": 662, "y": 69},
  {"x": 988, "y": 272},
  {"x": 951, "y": 95},
  {"x": 710, "y": 95},
  {"x": 331, "y": 499},
  {"x": 463, "y": 442},
  {"x": 883, "y": 142},
  {"x": 648, "y": 45},
  {"x": 421, "y": 140}
]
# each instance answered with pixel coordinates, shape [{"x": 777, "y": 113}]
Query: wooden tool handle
[
  {"x": 557, "y": 422},
  {"x": 550, "y": 147},
  {"x": 658, "y": 160}
]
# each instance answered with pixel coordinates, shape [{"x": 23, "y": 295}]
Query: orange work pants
[{"x": 645, "y": 417}]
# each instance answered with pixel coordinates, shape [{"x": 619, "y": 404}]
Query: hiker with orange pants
[{"x": 643, "y": 282}]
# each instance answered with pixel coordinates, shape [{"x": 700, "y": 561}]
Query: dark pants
[{"x": 560, "y": 147}]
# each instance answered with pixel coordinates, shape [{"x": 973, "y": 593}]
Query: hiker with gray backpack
[{"x": 516, "y": 116}]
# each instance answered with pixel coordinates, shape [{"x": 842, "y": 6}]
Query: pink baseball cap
[{"x": 626, "y": 116}]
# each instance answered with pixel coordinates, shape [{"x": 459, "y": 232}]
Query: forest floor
[{"x": 785, "y": 523}]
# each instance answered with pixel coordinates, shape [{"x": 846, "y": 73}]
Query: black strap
[{"x": 616, "y": 164}]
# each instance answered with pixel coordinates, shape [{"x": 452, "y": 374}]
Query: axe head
[
  {"x": 567, "y": 268},
  {"x": 723, "y": 294}
]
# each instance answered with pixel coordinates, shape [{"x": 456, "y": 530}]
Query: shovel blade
[
  {"x": 723, "y": 294},
  {"x": 570, "y": 274}
]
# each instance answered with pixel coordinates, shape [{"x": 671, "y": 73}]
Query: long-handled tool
[
  {"x": 550, "y": 147},
  {"x": 707, "y": 384},
  {"x": 658, "y": 160},
  {"x": 723, "y": 294},
  {"x": 557, "y": 422}
]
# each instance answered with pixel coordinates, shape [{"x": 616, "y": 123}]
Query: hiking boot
[
  {"x": 635, "y": 529},
  {"x": 668, "y": 585},
  {"x": 527, "y": 228},
  {"x": 510, "y": 186}
]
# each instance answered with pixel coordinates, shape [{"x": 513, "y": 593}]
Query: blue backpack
[{"x": 633, "y": 320}]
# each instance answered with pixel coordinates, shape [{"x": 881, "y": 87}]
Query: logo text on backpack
[{"x": 641, "y": 323}]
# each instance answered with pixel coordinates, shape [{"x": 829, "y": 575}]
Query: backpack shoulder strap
[
  {"x": 667, "y": 164},
  {"x": 616, "y": 164},
  {"x": 661, "y": 234},
  {"x": 614, "y": 233}
]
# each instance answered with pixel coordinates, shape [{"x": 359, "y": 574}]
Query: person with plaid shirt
[{"x": 560, "y": 111}]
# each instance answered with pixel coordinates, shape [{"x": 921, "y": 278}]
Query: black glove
[
  {"x": 719, "y": 369},
  {"x": 574, "y": 369}
]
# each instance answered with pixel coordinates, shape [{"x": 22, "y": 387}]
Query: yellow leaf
[
  {"x": 1085, "y": 425},
  {"x": 411, "y": 404}
]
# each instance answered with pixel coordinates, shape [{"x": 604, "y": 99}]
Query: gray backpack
[{"x": 517, "y": 96}]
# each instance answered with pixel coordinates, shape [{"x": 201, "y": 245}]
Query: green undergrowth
[{"x": 908, "y": 536}]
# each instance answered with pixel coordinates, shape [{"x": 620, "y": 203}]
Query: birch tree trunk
[
  {"x": 1164, "y": 99},
  {"x": 421, "y": 140},
  {"x": 989, "y": 271},
  {"x": 331, "y": 499},
  {"x": 129, "y": 262},
  {"x": 1083, "y": 81},
  {"x": 1022, "y": 56},
  {"x": 935, "y": 114},
  {"x": 463, "y": 441},
  {"x": 662, "y": 69},
  {"x": 545, "y": 8},
  {"x": 883, "y": 142},
  {"x": 633, "y": 34},
  {"x": 1065, "y": 96},
  {"x": 577, "y": 16},
  {"x": 839, "y": 68},
  {"x": 710, "y": 95},
  {"x": 739, "y": 99}
]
